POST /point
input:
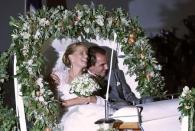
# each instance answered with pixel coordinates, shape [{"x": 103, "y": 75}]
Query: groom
[{"x": 120, "y": 94}]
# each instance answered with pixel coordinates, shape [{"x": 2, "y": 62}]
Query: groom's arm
[
  {"x": 128, "y": 94},
  {"x": 116, "y": 100}
]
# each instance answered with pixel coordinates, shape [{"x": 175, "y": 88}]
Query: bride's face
[{"x": 79, "y": 57}]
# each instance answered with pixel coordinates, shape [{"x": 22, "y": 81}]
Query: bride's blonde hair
[{"x": 70, "y": 50}]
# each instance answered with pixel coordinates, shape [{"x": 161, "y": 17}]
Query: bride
[{"x": 81, "y": 111}]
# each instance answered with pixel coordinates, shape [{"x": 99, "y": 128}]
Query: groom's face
[{"x": 100, "y": 68}]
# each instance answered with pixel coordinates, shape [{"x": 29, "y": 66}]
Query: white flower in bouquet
[{"x": 84, "y": 85}]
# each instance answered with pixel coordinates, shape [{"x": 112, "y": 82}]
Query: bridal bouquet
[{"x": 84, "y": 85}]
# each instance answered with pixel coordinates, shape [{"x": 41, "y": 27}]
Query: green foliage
[
  {"x": 31, "y": 31},
  {"x": 7, "y": 118}
]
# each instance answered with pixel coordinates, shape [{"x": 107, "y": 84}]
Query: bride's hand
[
  {"x": 83, "y": 100},
  {"x": 87, "y": 100},
  {"x": 92, "y": 99}
]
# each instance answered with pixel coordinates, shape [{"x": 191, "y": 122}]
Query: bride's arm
[{"x": 79, "y": 101}]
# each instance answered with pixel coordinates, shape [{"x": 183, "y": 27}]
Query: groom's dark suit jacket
[{"x": 120, "y": 94}]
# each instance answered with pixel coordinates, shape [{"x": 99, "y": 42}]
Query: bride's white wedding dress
[{"x": 79, "y": 117}]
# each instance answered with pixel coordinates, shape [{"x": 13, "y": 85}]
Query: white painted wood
[
  {"x": 19, "y": 100},
  {"x": 184, "y": 123}
]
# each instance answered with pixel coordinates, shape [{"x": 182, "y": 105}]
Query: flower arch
[{"x": 31, "y": 31}]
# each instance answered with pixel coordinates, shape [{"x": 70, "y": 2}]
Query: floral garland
[
  {"x": 31, "y": 31},
  {"x": 187, "y": 105}
]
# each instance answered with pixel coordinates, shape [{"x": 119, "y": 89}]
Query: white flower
[
  {"x": 30, "y": 70},
  {"x": 84, "y": 85},
  {"x": 43, "y": 22},
  {"x": 125, "y": 40},
  {"x": 42, "y": 90},
  {"x": 41, "y": 99},
  {"x": 186, "y": 90},
  {"x": 86, "y": 29},
  {"x": 79, "y": 15},
  {"x": 151, "y": 74},
  {"x": 55, "y": 12},
  {"x": 158, "y": 67},
  {"x": 25, "y": 47},
  {"x": 2, "y": 80},
  {"x": 66, "y": 14},
  {"x": 100, "y": 20},
  {"x": 88, "y": 23},
  {"x": 25, "y": 35},
  {"x": 29, "y": 62},
  {"x": 39, "y": 82},
  {"x": 14, "y": 36},
  {"x": 25, "y": 52},
  {"x": 47, "y": 22},
  {"x": 37, "y": 34},
  {"x": 109, "y": 21},
  {"x": 29, "y": 66},
  {"x": 97, "y": 30},
  {"x": 124, "y": 21},
  {"x": 83, "y": 22},
  {"x": 25, "y": 26},
  {"x": 45, "y": 103},
  {"x": 187, "y": 107}
]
